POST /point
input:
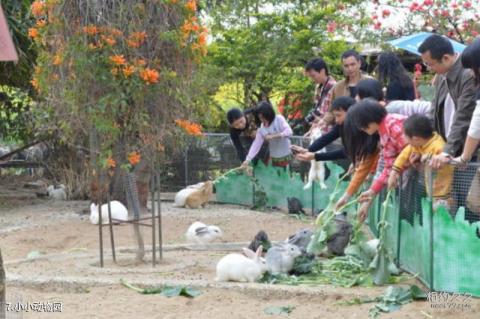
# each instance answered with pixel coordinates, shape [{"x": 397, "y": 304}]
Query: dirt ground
[{"x": 62, "y": 233}]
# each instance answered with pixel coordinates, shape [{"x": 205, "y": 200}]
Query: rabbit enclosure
[{"x": 50, "y": 252}]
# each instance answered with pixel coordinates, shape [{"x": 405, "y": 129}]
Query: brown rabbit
[{"x": 200, "y": 197}]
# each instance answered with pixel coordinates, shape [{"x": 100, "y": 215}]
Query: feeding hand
[{"x": 307, "y": 156}]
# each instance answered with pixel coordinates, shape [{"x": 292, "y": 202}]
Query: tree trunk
[{"x": 2, "y": 288}]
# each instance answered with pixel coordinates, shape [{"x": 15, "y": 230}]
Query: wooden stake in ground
[{"x": 2, "y": 288}]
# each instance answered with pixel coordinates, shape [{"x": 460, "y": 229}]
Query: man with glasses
[
  {"x": 452, "y": 105},
  {"x": 454, "y": 99}
]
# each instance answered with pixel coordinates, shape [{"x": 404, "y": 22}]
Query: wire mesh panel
[
  {"x": 462, "y": 182},
  {"x": 199, "y": 160},
  {"x": 210, "y": 156},
  {"x": 415, "y": 246},
  {"x": 456, "y": 242}
]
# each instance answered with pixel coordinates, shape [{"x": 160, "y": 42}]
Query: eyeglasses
[{"x": 430, "y": 65}]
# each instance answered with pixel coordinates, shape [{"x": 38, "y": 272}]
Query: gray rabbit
[
  {"x": 281, "y": 258},
  {"x": 301, "y": 239},
  {"x": 337, "y": 243}
]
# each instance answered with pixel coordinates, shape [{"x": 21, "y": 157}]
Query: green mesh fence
[{"x": 441, "y": 247}]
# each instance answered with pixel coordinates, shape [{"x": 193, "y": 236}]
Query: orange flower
[
  {"x": 134, "y": 158},
  {"x": 140, "y": 62},
  {"x": 195, "y": 28},
  {"x": 115, "y": 32},
  {"x": 57, "y": 59},
  {"x": 90, "y": 30},
  {"x": 118, "y": 59},
  {"x": 38, "y": 8},
  {"x": 133, "y": 44},
  {"x": 111, "y": 163},
  {"x": 136, "y": 39},
  {"x": 35, "y": 85},
  {"x": 202, "y": 38},
  {"x": 33, "y": 33},
  {"x": 150, "y": 76},
  {"x": 114, "y": 71},
  {"x": 190, "y": 127},
  {"x": 128, "y": 70},
  {"x": 187, "y": 27},
  {"x": 109, "y": 41},
  {"x": 41, "y": 23},
  {"x": 191, "y": 5}
]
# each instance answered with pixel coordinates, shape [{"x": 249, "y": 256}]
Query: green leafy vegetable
[
  {"x": 325, "y": 227},
  {"x": 383, "y": 265},
  {"x": 344, "y": 271},
  {"x": 165, "y": 291},
  {"x": 275, "y": 311},
  {"x": 394, "y": 298},
  {"x": 303, "y": 265}
]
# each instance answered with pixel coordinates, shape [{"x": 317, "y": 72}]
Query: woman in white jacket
[{"x": 471, "y": 60}]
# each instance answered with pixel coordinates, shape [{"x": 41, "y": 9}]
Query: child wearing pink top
[
  {"x": 370, "y": 117},
  {"x": 276, "y": 131}
]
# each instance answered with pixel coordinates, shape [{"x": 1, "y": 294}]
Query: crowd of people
[{"x": 379, "y": 125}]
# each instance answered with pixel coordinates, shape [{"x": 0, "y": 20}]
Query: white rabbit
[
  {"x": 57, "y": 193},
  {"x": 200, "y": 233},
  {"x": 281, "y": 257},
  {"x": 317, "y": 168},
  {"x": 119, "y": 211},
  {"x": 237, "y": 267},
  {"x": 370, "y": 247}
]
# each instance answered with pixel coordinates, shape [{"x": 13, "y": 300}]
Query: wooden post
[
  {"x": 2, "y": 288},
  {"x": 100, "y": 232},
  {"x": 112, "y": 241},
  {"x": 153, "y": 185},
  {"x": 159, "y": 201}
]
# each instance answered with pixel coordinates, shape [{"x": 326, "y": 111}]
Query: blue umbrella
[{"x": 411, "y": 43}]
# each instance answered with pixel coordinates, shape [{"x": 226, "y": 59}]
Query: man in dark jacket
[
  {"x": 453, "y": 104},
  {"x": 243, "y": 129},
  {"x": 454, "y": 100}
]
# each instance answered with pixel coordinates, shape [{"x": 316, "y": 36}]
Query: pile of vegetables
[{"x": 365, "y": 262}]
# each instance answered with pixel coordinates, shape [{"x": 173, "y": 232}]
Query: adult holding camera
[{"x": 316, "y": 69}]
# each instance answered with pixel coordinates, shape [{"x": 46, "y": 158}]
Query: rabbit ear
[
  {"x": 249, "y": 253},
  {"x": 259, "y": 251}
]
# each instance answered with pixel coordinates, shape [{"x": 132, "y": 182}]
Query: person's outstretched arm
[
  {"x": 325, "y": 140},
  {"x": 256, "y": 145}
]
